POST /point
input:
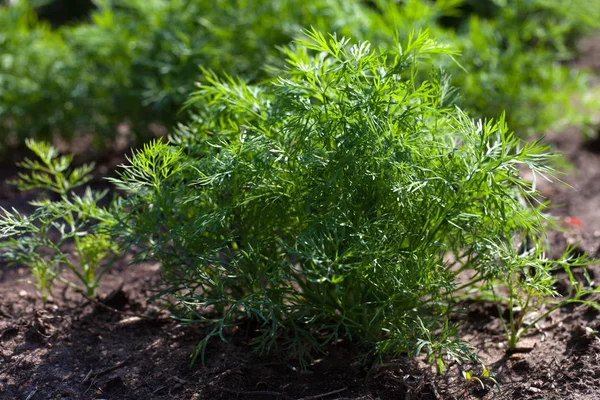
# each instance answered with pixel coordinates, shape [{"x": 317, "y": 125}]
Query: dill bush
[{"x": 344, "y": 200}]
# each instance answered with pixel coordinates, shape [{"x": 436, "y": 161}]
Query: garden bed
[
  {"x": 127, "y": 348},
  {"x": 71, "y": 348}
]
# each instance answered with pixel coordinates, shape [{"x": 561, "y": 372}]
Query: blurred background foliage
[{"x": 71, "y": 67}]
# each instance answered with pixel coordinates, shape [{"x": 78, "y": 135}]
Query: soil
[{"x": 125, "y": 347}]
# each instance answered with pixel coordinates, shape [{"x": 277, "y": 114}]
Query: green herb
[
  {"x": 38, "y": 240},
  {"x": 329, "y": 204},
  {"x": 530, "y": 279}
]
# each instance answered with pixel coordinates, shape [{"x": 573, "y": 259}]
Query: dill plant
[
  {"x": 38, "y": 240},
  {"x": 329, "y": 204}
]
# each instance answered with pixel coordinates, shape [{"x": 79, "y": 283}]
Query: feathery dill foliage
[
  {"x": 38, "y": 240},
  {"x": 324, "y": 205}
]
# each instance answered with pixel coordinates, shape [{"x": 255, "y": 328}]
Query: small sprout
[
  {"x": 488, "y": 375},
  {"x": 469, "y": 377},
  {"x": 485, "y": 374}
]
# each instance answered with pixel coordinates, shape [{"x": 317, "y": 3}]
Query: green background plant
[
  {"x": 517, "y": 60},
  {"x": 136, "y": 61}
]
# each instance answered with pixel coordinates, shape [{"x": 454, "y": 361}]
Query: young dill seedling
[
  {"x": 37, "y": 240},
  {"x": 530, "y": 280}
]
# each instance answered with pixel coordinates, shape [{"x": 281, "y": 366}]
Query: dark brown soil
[{"x": 127, "y": 348}]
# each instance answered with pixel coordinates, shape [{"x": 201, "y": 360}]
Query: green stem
[{"x": 63, "y": 259}]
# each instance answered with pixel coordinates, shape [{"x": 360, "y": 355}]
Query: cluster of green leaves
[
  {"x": 528, "y": 285},
  {"x": 42, "y": 239},
  {"x": 517, "y": 60},
  {"x": 136, "y": 60},
  {"x": 325, "y": 205},
  {"x": 514, "y": 56},
  {"x": 51, "y": 84}
]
